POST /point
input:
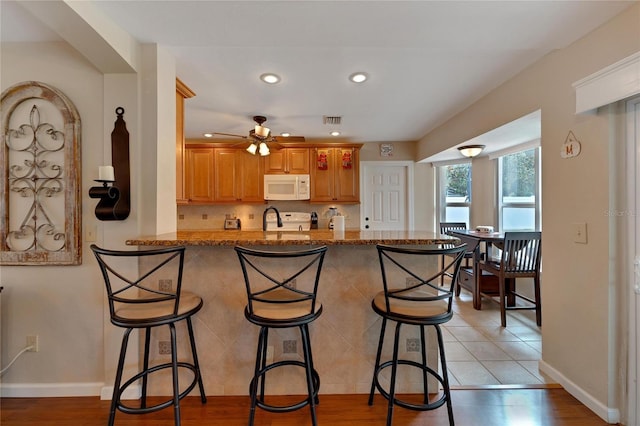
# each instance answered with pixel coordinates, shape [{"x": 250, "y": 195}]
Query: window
[
  {"x": 454, "y": 192},
  {"x": 519, "y": 191}
]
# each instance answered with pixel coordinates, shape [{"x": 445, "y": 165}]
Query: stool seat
[
  {"x": 413, "y": 295},
  {"x": 281, "y": 293},
  {"x": 146, "y": 295}
]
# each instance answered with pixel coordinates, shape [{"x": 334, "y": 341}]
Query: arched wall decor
[{"x": 40, "y": 187}]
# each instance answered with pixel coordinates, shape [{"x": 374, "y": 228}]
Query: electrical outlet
[
  {"x": 413, "y": 345},
  {"x": 164, "y": 347},
  {"x": 289, "y": 346},
  {"x": 291, "y": 284},
  {"x": 90, "y": 233},
  {"x": 164, "y": 285},
  {"x": 410, "y": 282},
  {"x": 32, "y": 340}
]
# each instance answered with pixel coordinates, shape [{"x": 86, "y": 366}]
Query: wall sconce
[
  {"x": 115, "y": 200},
  {"x": 471, "y": 151}
]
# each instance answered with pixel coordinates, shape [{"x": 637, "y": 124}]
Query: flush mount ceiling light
[
  {"x": 358, "y": 77},
  {"x": 471, "y": 151},
  {"x": 335, "y": 133},
  {"x": 285, "y": 134},
  {"x": 208, "y": 135},
  {"x": 270, "y": 78}
]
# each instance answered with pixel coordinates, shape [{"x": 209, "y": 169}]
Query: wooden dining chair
[
  {"x": 520, "y": 258},
  {"x": 445, "y": 227}
]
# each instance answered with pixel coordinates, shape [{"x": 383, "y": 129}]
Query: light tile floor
[{"x": 480, "y": 352}]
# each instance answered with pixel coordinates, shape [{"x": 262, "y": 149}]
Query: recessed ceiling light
[
  {"x": 335, "y": 133},
  {"x": 270, "y": 78},
  {"x": 208, "y": 135},
  {"x": 285, "y": 134},
  {"x": 358, "y": 77}
]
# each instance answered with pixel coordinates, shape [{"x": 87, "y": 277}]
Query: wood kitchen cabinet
[
  {"x": 335, "y": 175},
  {"x": 182, "y": 93},
  {"x": 199, "y": 175},
  {"x": 238, "y": 176},
  {"x": 287, "y": 161}
]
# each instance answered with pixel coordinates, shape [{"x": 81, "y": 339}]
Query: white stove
[{"x": 291, "y": 221}]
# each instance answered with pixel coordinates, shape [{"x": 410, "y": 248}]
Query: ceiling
[{"x": 426, "y": 60}]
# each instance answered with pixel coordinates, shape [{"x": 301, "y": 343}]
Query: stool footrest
[
  {"x": 285, "y": 408},
  {"x": 416, "y": 407},
  {"x": 144, "y": 410}
]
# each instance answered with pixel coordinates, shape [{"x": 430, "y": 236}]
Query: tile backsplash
[{"x": 250, "y": 215}]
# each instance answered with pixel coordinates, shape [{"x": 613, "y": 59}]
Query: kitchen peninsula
[{"x": 344, "y": 338}]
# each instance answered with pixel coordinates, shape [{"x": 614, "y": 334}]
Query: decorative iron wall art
[{"x": 40, "y": 188}]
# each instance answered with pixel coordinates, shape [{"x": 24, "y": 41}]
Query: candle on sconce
[{"x": 105, "y": 173}]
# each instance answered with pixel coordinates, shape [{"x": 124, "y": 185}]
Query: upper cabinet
[
  {"x": 335, "y": 174},
  {"x": 238, "y": 176},
  {"x": 287, "y": 160},
  {"x": 222, "y": 175},
  {"x": 182, "y": 93}
]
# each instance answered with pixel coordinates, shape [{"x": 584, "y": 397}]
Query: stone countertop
[{"x": 282, "y": 238}]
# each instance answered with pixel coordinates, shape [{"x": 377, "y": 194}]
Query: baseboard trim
[
  {"x": 44, "y": 390},
  {"x": 608, "y": 414}
]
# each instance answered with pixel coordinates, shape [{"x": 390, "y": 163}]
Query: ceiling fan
[{"x": 260, "y": 136}]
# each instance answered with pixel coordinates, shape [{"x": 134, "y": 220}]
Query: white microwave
[{"x": 286, "y": 187}]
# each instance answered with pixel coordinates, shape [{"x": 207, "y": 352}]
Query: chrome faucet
[{"x": 264, "y": 217}]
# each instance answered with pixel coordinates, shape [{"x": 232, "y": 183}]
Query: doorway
[{"x": 385, "y": 187}]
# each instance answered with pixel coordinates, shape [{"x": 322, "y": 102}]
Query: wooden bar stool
[
  {"x": 150, "y": 296},
  {"x": 412, "y": 295},
  {"x": 281, "y": 289}
]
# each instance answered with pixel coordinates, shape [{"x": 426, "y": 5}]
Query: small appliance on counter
[
  {"x": 314, "y": 220},
  {"x": 232, "y": 223},
  {"x": 333, "y": 211}
]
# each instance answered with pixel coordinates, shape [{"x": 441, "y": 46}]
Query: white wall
[
  {"x": 580, "y": 283},
  {"x": 61, "y": 304}
]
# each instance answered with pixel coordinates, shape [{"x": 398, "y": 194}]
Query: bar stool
[
  {"x": 412, "y": 295},
  {"x": 149, "y": 297},
  {"x": 281, "y": 290}
]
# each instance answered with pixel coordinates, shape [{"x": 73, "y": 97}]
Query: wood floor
[{"x": 484, "y": 407}]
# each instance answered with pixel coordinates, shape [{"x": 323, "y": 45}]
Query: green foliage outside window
[
  {"x": 459, "y": 180},
  {"x": 519, "y": 174}
]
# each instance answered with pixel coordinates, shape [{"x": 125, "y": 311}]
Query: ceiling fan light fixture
[
  {"x": 262, "y": 131},
  {"x": 270, "y": 78},
  {"x": 264, "y": 149},
  {"x": 471, "y": 151},
  {"x": 359, "y": 77},
  {"x": 252, "y": 148}
]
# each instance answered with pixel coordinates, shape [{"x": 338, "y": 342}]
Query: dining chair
[
  {"x": 281, "y": 294},
  {"x": 411, "y": 296},
  {"x": 445, "y": 227},
  {"x": 149, "y": 296},
  {"x": 520, "y": 258}
]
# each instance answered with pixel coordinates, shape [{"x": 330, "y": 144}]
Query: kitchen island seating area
[
  {"x": 144, "y": 291},
  {"x": 281, "y": 287},
  {"x": 412, "y": 295}
]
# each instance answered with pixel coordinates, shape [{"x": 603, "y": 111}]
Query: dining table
[{"x": 481, "y": 244}]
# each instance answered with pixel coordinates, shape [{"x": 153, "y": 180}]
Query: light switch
[{"x": 579, "y": 232}]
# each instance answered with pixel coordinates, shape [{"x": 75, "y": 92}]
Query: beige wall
[{"x": 581, "y": 302}]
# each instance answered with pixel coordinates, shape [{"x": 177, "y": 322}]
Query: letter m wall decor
[{"x": 40, "y": 188}]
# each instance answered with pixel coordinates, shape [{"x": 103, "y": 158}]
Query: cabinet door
[
  {"x": 347, "y": 166},
  {"x": 251, "y": 179},
  {"x": 287, "y": 160},
  {"x": 199, "y": 176},
  {"x": 322, "y": 176},
  {"x": 226, "y": 175},
  {"x": 297, "y": 161}
]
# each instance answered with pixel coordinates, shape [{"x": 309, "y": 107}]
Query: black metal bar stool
[
  {"x": 149, "y": 297},
  {"x": 412, "y": 295},
  {"x": 281, "y": 290}
]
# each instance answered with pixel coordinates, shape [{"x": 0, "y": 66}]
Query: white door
[
  {"x": 384, "y": 196},
  {"x": 633, "y": 179}
]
